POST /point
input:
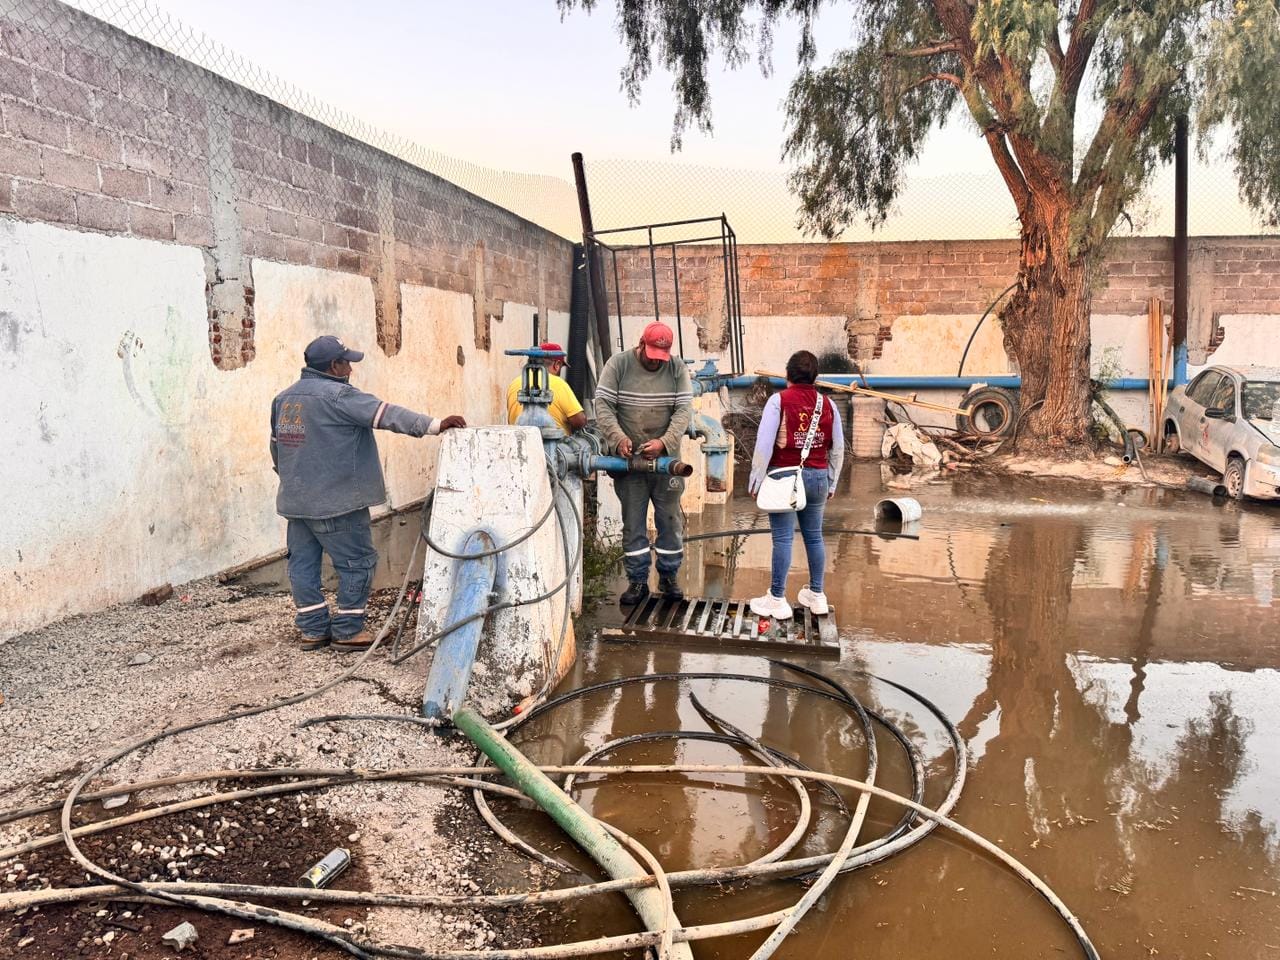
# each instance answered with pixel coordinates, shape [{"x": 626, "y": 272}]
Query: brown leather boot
[
  {"x": 311, "y": 643},
  {"x": 361, "y": 641}
]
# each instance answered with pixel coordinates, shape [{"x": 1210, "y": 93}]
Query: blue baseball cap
[{"x": 323, "y": 351}]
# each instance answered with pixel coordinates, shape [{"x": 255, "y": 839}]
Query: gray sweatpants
[{"x": 637, "y": 491}]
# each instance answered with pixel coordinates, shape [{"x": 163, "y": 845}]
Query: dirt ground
[{"x": 76, "y": 690}]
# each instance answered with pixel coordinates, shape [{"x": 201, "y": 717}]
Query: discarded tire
[{"x": 990, "y": 412}]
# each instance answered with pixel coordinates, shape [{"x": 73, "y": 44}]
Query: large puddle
[{"x": 1109, "y": 655}]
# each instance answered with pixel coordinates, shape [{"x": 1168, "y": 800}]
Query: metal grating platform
[{"x": 717, "y": 622}]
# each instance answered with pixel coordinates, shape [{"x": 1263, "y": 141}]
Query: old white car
[{"x": 1229, "y": 418}]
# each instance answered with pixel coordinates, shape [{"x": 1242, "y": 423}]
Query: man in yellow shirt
[{"x": 565, "y": 408}]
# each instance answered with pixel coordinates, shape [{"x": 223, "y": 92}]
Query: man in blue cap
[{"x": 323, "y": 449}]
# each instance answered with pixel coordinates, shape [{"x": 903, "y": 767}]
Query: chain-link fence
[{"x": 110, "y": 133}]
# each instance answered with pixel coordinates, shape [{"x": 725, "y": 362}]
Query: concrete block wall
[
  {"x": 908, "y": 308},
  {"x": 168, "y": 244}
]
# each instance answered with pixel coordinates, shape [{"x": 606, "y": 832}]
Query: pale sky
[{"x": 510, "y": 85}]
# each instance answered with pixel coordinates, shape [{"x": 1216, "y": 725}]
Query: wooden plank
[
  {"x": 737, "y": 621},
  {"x": 791, "y": 630}
]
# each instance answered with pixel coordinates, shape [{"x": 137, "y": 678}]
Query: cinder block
[
  {"x": 93, "y": 69},
  {"x": 66, "y": 170},
  {"x": 56, "y": 92},
  {"x": 150, "y": 222},
  {"x": 173, "y": 195},
  {"x": 126, "y": 184},
  {"x": 145, "y": 155},
  {"x": 194, "y": 230},
  {"x": 90, "y": 140},
  {"x": 40, "y": 201},
  {"x": 33, "y": 46},
  {"x": 16, "y": 79},
  {"x": 143, "y": 88},
  {"x": 96, "y": 212},
  {"x": 19, "y": 158},
  {"x": 33, "y": 123}
]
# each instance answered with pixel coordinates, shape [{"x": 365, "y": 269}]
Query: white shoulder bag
[{"x": 783, "y": 489}]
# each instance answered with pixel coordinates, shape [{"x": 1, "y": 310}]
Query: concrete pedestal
[{"x": 495, "y": 479}]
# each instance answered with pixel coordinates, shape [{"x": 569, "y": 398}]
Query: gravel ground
[{"x": 78, "y": 689}]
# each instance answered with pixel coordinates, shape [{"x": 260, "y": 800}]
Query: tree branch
[
  {"x": 1008, "y": 167},
  {"x": 950, "y": 78},
  {"x": 942, "y": 46}
]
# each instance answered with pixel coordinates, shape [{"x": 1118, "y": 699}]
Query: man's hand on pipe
[
  {"x": 652, "y": 449},
  {"x": 624, "y": 447}
]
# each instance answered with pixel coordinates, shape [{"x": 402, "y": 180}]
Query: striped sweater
[{"x": 643, "y": 405}]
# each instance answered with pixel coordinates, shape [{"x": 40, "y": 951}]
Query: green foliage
[
  {"x": 1022, "y": 68},
  {"x": 1242, "y": 89}
]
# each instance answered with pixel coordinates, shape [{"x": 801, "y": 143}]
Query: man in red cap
[
  {"x": 644, "y": 402},
  {"x": 565, "y": 408}
]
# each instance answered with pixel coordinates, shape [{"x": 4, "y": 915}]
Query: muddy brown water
[{"x": 1108, "y": 654}]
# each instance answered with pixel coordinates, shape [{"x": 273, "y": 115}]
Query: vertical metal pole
[
  {"x": 675, "y": 279},
  {"x": 728, "y": 304},
  {"x": 737, "y": 302},
  {"x": 1180, "y": 292},
  {"x": 653, "y": 275},
  {"x": 599, "y": 301},
  {"x": 617, "y": 293}
]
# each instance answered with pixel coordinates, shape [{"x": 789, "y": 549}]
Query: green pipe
[{"x": 584, "y": 829}]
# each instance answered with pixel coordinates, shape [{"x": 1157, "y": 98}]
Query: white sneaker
[
  {"x": 775, "y": 608},
  {"x": 816, "y": 602}
]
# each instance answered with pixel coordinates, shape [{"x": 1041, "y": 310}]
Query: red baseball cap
[
  {"x": 549, "y": 346},
  {"x": 657, "y": 339}
]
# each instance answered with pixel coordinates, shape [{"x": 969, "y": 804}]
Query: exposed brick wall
[
  {"x": 103, "y": 132},
  {"x": 944, "y": 276},
  {"x": 871, "y": 284}
]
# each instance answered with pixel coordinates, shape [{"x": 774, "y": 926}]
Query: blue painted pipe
[
  {"x": 451, "y": 668},
  {"x": 715, "y": 448},
  {"x": 668, "y": 465},
  {"x": 890, "y": 382}
]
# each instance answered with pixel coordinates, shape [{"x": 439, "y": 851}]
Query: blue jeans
[
  {"x": 348, "y": 540},
  {"x": 783, "y": 526}
]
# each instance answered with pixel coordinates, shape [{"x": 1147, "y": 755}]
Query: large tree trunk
[{"x": 1046, "y": 327}]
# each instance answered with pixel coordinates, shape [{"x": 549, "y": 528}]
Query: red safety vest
[{"x": 798, "y": 402}]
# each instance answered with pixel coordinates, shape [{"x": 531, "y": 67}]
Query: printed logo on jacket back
[{"x": 290, "y": 430}]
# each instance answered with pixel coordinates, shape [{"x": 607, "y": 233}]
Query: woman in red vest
[{"x": 784, "y": 426}]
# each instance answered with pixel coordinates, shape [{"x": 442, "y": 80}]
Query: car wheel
[
  {"x": 1172, "y": 443},
  {"x": 1233, "y": 479}
]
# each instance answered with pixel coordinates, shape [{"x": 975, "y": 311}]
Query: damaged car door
[
  {"x": 1191, "y": 408},
  {"x": 1218, "y": 424}
]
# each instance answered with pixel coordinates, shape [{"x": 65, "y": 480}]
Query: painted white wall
[{"x": 138, "y": 462}]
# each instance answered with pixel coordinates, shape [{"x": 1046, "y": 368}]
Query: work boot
[
  {"x": 636, "y": 593},
  {"x": 670, "y": 589},
  {"x": 361, "y": 641},
  {"x": 308, "y": 643}
]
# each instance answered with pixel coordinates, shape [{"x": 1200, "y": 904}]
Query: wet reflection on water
[{"x": 1110, "y": 656}]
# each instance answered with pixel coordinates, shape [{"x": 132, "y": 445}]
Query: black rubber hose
[{"x": 978, "y": 326}]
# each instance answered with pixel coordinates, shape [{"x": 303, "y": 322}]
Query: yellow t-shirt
[{"x": 563, "y": 402}]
